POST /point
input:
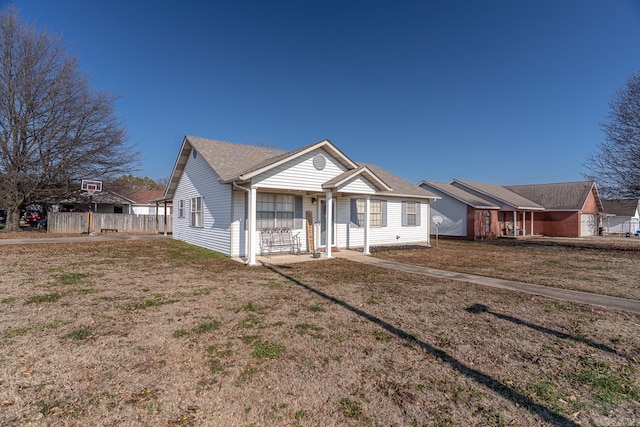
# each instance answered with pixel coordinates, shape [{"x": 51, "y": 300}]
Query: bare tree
[
  {"x": 615, "y": 165},
  {"x": 54, "y": 130},
  {"x": 125, "y": 185}
]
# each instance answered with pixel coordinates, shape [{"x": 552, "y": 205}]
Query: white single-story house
[
  {"x": 623, "y": 216},
  {"x": 225, "y": 195},
  {"x": 144, "y": 203}
]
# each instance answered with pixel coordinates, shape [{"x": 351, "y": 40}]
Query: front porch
[{"x": 285, "y": 259}]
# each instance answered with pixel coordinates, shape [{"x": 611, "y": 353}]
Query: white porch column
[
  {"x": 532, "y": 223},
  {"x": 367, "y": 207},
  {"x": 251, "y": 229},
  {"x": 524, "y": 228},
  {"x": 329, "y": 223},
  {"x": 515, "y": 224}
]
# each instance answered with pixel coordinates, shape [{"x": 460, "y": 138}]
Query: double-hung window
[
  {"x": 196, "y": 212},
  {"x": 181, "y": 208},
  {"x": 410, "y": 214},
  {"x": 376, "y": 212},
  {"x": 274, "y": 211}
]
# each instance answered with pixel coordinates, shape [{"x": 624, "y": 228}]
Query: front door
[{"x": 323, "y": 222}]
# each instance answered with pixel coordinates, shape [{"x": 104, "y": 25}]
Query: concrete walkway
[{"x": 546, "y": 291}]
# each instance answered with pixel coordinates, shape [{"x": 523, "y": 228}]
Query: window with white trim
[
  {"x": 411, "y": 214},
  {"x": 181, "y": 208},
  {"x": 375, "y": 212},
  {"x": 196, "y": 212},
  {"x": 274, "y": 211}
]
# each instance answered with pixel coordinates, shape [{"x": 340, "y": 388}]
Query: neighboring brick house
[
  {"x": 466, "y": 215},
  {"x": 568, "y": 209},
  {"x": 571, "y": 209}
]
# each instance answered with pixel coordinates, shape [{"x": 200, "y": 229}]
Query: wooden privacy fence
[{"x": 79, "y": 222}]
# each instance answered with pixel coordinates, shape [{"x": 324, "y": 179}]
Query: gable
[{"x": 302, "y": 172}]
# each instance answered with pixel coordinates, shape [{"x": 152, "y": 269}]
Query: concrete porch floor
[{"x": 283, "y": 259}]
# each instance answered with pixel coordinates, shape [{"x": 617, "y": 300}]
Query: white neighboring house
[
  {"x": 224, "y": 194},
  {"x": 623, "y": 216},
  {"x": 144, "y": 203}
]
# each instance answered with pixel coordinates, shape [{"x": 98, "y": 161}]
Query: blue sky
[{"x": 499, "y": 91}]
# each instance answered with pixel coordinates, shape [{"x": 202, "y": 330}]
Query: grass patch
[
  {"x": 9, "y": 300},
  {"x": 381, "y": 336},
  {"x": 316, "y": 309},
  {"x": 179, "y": 333},
  {"x": 70, "y": 279},
  {"x": 79, "y": 334},
  {"x": 181, "y": 252},
  {"x": 267, "y": 350},
  {"x": 248, "y": 339},
  {"x": 204, "y": 327},
  {"x": 250, "y": 322},
  {"x": 350, "y": 408},
  {"x": 608, "y": 384},
  {"x": 17, "y": 332},
  {"x": 37, "y": 299}
]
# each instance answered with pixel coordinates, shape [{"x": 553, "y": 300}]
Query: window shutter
[
  {"x": 404, "y": 213},
  {"x": 417, "y": 213},
  {"x": 383, "y": 204},
  {"x": 246, "y": 209},
  {"x": 354, "y": 212},
  {"x": 297, "y": 222}
]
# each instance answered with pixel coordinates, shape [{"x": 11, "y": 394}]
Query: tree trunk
[{"x": 13, "y": 219}]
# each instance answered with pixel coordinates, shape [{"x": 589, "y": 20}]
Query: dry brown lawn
[
  {"x": 160, "y": 333},
  {"x": 608, "y": 266}
]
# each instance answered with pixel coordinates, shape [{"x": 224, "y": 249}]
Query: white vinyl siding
[
  {"x": 358, "y": 185},
  {"x": 348, "y": 235},
  {"x": 199, "y": 180},
  {"x": 300, "y": 174}
]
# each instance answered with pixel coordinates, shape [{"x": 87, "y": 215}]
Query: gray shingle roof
[
  {"x": 621, "y": 207},
  {"x": 500, "y": 193},
  {"x": 230, "y": 160},
  {"x": 401, "y": 187},
  {"x": 461, "y": 195},
  {"x": 560, "y": 196}
]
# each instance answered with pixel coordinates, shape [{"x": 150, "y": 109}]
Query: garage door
[{"x": 588, "y": 225}]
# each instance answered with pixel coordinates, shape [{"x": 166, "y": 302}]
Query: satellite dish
[{"x": 437, "y": 219}]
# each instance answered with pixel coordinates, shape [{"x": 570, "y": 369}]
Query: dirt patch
[
  {"x": 162, "y": 333},
  {"x": 605, "y": 266}
]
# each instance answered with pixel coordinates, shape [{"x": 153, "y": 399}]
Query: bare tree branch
[
  {"x": 615, "y": 164},
  {"x": 54, "y": 130}
]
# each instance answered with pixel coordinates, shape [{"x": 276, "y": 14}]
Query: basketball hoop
[{"x": 91, "y": 189}]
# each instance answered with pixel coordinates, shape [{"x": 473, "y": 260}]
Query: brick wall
[{"x": 476, "y": 225}]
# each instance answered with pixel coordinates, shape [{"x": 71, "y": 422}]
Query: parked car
[{"x": 31, "y": 218}]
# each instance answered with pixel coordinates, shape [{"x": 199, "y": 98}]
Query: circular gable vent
[{"x": 319, "y": 161}]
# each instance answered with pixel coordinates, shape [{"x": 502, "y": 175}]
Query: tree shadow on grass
[
  {"x": 548, "y": 415},
  {"x": 481, "y": 308}
]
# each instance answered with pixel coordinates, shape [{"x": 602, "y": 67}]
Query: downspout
[{"x": 248, "y": 245}]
